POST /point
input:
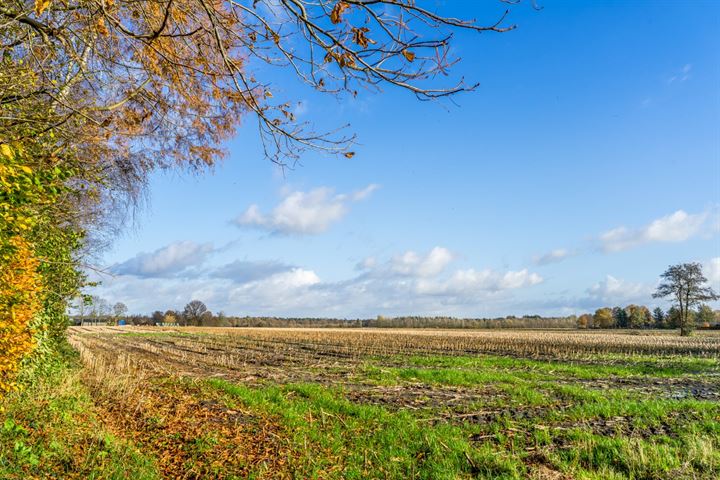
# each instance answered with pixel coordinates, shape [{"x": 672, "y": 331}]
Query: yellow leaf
[
  {"x": 26, "y": 169},
  {"x": 6, "y": 150},
  {"x": 349, "y": 154},
  {"x": 41, "y": 5}
]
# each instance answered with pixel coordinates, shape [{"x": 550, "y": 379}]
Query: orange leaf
[
  {"x": 41, "y": 5},
  {"x": 409, "y": 56}
]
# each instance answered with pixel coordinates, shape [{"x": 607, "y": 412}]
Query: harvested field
[{"x": 334, "y": 403}]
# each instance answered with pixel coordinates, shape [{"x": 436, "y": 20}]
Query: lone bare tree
[
  {"x": 194, "y": 311},
  {"x": 686, "y": 284},
  {"x": 119, "y": 310}
]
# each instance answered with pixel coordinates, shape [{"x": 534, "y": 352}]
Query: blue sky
[{"x": 586, "y": 162}]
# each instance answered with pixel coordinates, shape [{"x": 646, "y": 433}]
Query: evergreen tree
[
  {"x": 659, "y": 317},
  {"x": 620, "y": 316}
]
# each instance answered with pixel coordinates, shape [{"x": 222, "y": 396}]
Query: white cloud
[
  {"x": 676, "y": 227},
  {"x": 304, "y": 212},
  {"x": 407, "y": 283},
  {"x": 295, "y": 278},
  {"x": 614, "y": 291},
  {"x": 410, "y": 263},
  {"x": 554, "y": 256},
  {"x": 522, "y": 278},
  {"x": 365, "y": 192},
  {"x": 712, "y": 271},
  {"x": 282, "y": 292},
  {"x": 164, "y": 261},
  {"x": 470, "y": 282}
]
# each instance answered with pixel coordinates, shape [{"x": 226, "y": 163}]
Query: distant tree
[
  {"x": 82, "y": 304},
  {"x": 672, "y": 318},
  {"x": 659, "y": 317},
  {"x": 206, "y": 319},
  {"x": 603, "y": 318},
  {"x": 171, "y": 316},
  {"x": 157, "y": 317},
  {"x": 639, "y": 316},
  {"x": 685, "y": 283},
  {"x": 119, "y": 310},
  {"x": 585, "y": 321},
  {"x": 140, "y": 320},
  {"x": 620, "y": 316},
  {"x": 194, "y": 312},
  {"x": 705, "y": 316},
  {"x": 221, "y": 320},
  {"x": 100, "y": 308}
]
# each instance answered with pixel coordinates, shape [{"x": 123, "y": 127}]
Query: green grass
[
  {"x": 335, "y": 438},
  {"x": 49, "y": 431},
  {"x": 522, "y": 418},
  {"x": 342, "y": 439},
  {"x": 597, "y": 366},
  {"x": 596, "y": 456},
  {"x": 569, "y": 427}
]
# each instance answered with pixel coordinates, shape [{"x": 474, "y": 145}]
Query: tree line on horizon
[
  {"x": 197, "y": 314},
  {"x": 640, "y": 316}
]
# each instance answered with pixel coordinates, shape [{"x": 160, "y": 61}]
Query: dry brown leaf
[
  {"x": 101, "y": 27},
  {"x": 337, "y": 11},
  {"x": 360, "y": 38}
]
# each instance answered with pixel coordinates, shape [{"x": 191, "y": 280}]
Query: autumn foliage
[
  {"x": 20, "y": 293},
  {"x": 37, "y": 271}
]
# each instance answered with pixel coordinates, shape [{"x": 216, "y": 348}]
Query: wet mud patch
[
  {"x": 417, "y": 396},
  {"x": 678, "y": 387}
]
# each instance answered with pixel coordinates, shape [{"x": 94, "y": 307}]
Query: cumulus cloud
[
  {"x": 169, "y": 260},
  {"x": 471, "y": 281},
  {"x": 712, "y": 271},
  {"x": 410, "y": 263},
  {"x": 243, "y": 271},
  {"x": 615, "y": 291},
  {"x": 412, "y": 276},
  {"x": 304, "y": 213},
  {"x": 281, "y": 292},
  {"x": 292, "y": 279},
  {"x": 401, "y": 284},
  {"x": 554, "y": 256},
  {"x": 676, "y": 227}
]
